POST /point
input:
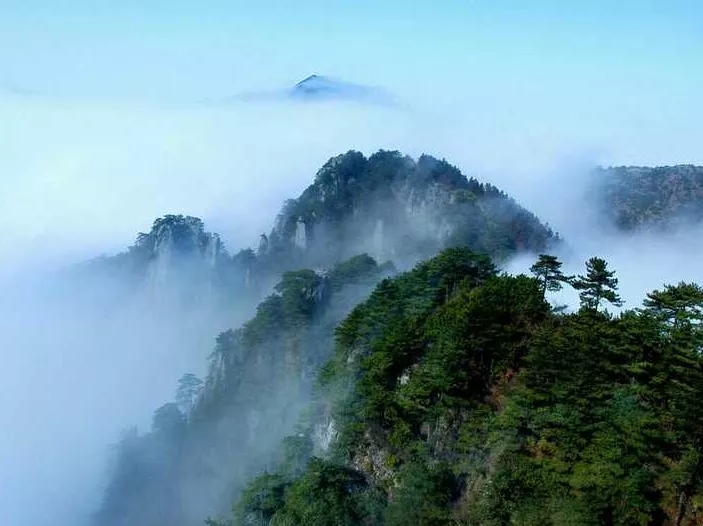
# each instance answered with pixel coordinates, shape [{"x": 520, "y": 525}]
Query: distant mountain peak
[
  {"x": 315, "y": 88},
  {"x": 321, "y": 87},
  {"x": 310, "y": 78},
  {"x": 315, "y": 82}
]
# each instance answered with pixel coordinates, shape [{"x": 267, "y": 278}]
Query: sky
[
  {"x": 92, "y": 89},
  {"x": 103, "y": 129},
  {"x": 627, "y": 51}
]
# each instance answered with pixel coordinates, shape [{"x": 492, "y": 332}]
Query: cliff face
[
  {"x": 260, "y": 379},
  {"x": 178, "y": 264},
  {"x": 182, "y": 259}
]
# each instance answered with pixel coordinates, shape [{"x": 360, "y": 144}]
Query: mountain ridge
[
  {"x": 313, "y": 269},
  {"x": 387, "y": 205},
  {"x": 448, "y": 385},
  {"x": 642, "y": 197}
]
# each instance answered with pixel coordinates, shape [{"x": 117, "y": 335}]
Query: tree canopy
[{"x": 598, "y": 285}]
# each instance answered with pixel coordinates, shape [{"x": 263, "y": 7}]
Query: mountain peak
[
  {"x": 316, "y": 88},
  {"x": 321, "y": 87},
  {"x": 311, "y": 78}
]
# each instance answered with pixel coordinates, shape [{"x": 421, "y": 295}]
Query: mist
[
  {"x": 121, "y": 164},
  {"x": 644, "y": 259},
  {"x": 80, "y": 178},
  {"x": 82, "y": 364}
]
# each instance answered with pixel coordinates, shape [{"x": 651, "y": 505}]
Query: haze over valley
[{"x": 307, "y": 278}]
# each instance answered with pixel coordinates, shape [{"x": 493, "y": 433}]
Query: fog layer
[{"x": 78, "y": 179}]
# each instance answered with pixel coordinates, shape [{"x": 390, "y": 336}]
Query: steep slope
[
  {"x": 203, "y": 447},
  {"x": 223, "y": 429},
  {"x": 175, "y": 244},
  {"x": 634, "y": 197},
  {"x": 457, "y": 396},
  {"x": 176, "y": 265}
]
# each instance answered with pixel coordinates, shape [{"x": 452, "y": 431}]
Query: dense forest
[
  {"x": 392, "y": 374},
  {"x": 459, "y": 396},
  {"x": 361, "y": 220}
]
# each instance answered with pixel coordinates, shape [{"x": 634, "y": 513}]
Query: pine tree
[
  {"x": 597, "y": 285},
  {"x": 547, "y": 270},
  {"x": 676, "y": 304}
]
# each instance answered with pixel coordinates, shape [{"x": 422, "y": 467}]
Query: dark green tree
[
  {"x": 547, "y": 270},
  {"x": 259, "y": 502},
  {"x": 325, "y": 495},
  {"x": 676, "y": 304},
  {"x": 597, "y": 285},
  {"x": 423, "y": 497},
  {"x": 300, "y": 292}
]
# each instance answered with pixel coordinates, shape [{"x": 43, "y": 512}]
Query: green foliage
[
  {"x": 260, "y": 501},
  {"x": 300, "y": 292},
  {"x": 547, "y": 270},
  {"x": 452, "y": 394},
  {"x": 261, "y": 374},
  {"x": 358, "y": 269},
  {"x": 324, "y": 495},
  {"x": 167, "y": 419},
  {"x": 411, "y": 201},
  {"x": 467, "y": 400},
  {"x": 423, "y": 496},
  {"x": 678, "y": 305},
  {"x": 599, "y": 284},
  {"x": 297, "y": 449},
  {"x": 411, "y": 295}
]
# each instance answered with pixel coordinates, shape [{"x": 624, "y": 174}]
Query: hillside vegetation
[
  {"x": 354, "y": 225},
  {"x": 458, "y": 396},
  {"x": 449, "y": 394}
]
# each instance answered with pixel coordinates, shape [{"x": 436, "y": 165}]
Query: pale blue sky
[{"x": 613, "y": 51}]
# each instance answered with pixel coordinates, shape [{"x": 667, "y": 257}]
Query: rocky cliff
[{"x": 393, "y": 207}]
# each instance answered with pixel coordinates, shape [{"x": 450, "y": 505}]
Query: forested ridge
[
  {"x": 635, "y": 197},
  {"x": 358, "y": 221},
  {"x": 387, "y": 205},
  {"x": 450, "y": 393},
  {"x": 460, "y": 396},
  {"x": 224, "y": 428}
]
